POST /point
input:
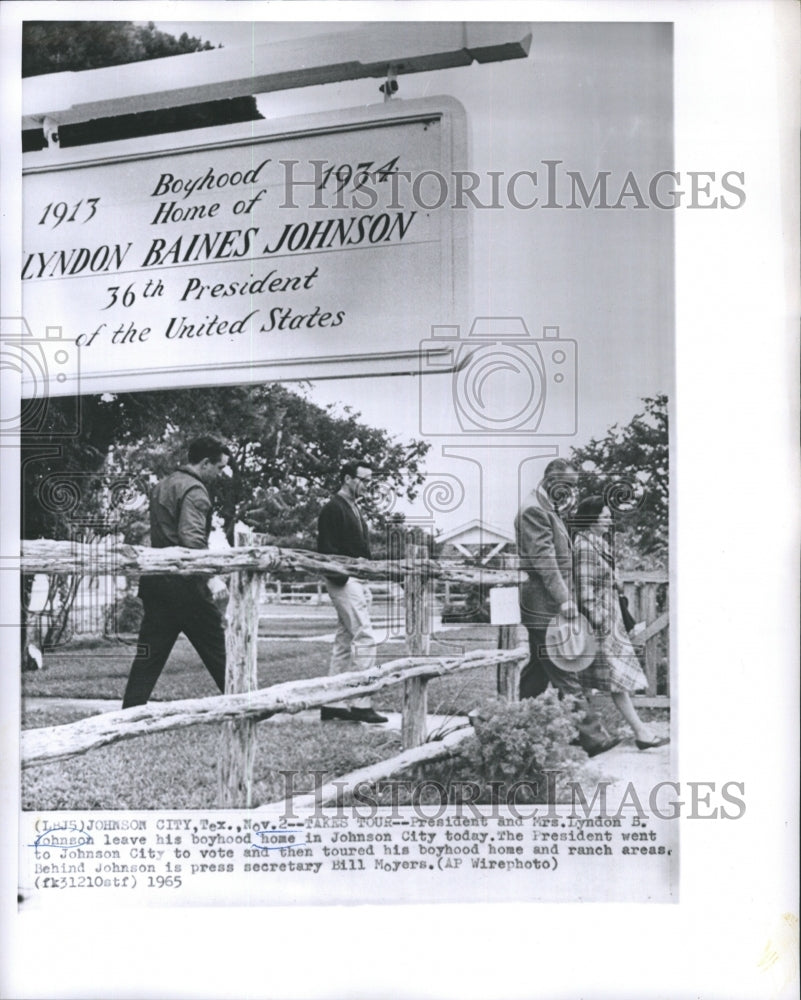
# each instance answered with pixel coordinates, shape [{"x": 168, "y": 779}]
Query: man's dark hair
[
  {"x": 206, "y": 447},
  {"x": 352, "y": 469},
  {"x": 556, "y": 467},
  {"x": 586, "y": 515},
  {"x": 589, "y": 510}
]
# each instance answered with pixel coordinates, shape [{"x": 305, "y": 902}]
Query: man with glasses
[
  {"x": 342, "y": 531},
  {"x": 180, "y": 514}
]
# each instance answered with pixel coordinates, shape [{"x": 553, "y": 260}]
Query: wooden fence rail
[
  {"x": 117, "y": 559},
  {"x": 333, "y": 791},
  {"x": 39, "y": 746},
  {"x": 244, "y": 705},
  {"x": 45, "y": 556}
]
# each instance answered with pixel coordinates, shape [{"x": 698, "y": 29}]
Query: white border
[{"x": 737, "y": 490}]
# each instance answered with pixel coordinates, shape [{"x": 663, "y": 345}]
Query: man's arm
[
  {"x": 193, "y": 519},
  {"x": 535, "y": 543},
  {"x": 330, "y": 527}
]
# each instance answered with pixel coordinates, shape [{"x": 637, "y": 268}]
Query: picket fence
[{"x": 244, "y": 704}]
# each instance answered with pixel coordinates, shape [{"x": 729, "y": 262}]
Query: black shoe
[
  {"x": 657, "y": 741},
  {"x": 603, "y": 747},
  {"x": 367, "y": 715},
  {"x": 327, "y": 714}
]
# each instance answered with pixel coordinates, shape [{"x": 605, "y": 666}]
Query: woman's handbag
[{"x": 628, "y": 618}]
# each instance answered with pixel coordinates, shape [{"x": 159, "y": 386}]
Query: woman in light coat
[{"x": 616, "y": 668}]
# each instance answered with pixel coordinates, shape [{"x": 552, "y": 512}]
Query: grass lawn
[
  {"x": 289, "y": 628},
  {"x": 178, "y": 770},
  {"x": 100, "y": 670}
]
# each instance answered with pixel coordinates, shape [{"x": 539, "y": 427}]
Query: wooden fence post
[
  {"x": 508, "y": 680},
  {"x": 663, "y": 650},
  {"x": 238, "y": 739},
  {"x": 418, "y": 598},
  {"x": 649, "y": 615}
]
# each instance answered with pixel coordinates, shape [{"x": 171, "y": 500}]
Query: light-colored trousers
[{"x": 354, "y": 642}]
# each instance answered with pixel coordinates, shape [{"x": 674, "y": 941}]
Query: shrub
[
  {"x": 124, "y": 615},
  {"x": 513, "y": 744},
  {"x": 520, "y": 742}
]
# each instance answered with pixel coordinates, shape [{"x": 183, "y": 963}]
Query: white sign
[
  {"x": 504, "y": 606},
  {"x": 308, "y": 247}
]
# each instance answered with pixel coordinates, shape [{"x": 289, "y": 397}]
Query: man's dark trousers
[
  {"x": 174, "y": 604},
  {"x": 539, "y": 671}
]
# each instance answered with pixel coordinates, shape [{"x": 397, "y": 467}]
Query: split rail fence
[{"x": 244, "y": 704}]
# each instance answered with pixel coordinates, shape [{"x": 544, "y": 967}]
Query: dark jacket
[
  {"x": 180, "y": 512},
  {"x": 545, "y": 554},
  {"x": 341, "y": 531}
]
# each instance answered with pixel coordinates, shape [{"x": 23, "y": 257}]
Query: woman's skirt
[{"x": 616, "y": 666}]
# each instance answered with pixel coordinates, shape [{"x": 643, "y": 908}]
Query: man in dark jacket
[
  {"x": 546, "y": 558},
  {"x": 342, "y": 531},
  {"x": 180, "y": 514}
]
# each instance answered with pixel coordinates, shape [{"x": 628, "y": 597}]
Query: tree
[
  {"x": 60, "y": 46},
  {"x": 631, "y": 467},
  {"x": 286, "y": 456},
  {"x": 286, "y": 453},
  {"x": 68, "y": 492}
]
